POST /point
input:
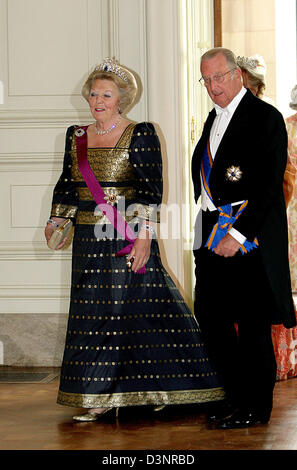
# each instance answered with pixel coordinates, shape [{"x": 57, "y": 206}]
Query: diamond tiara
[
  {"x": 109, "y": 65},
  {"x": 247, "y": 62}
]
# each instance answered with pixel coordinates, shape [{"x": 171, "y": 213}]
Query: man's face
[{"x": 221, "y": 93}]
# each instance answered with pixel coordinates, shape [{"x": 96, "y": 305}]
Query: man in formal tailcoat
[{"x": 242, "y": 271}]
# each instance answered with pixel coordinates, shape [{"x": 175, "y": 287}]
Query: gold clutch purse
[{"x": 59, "y": 234}]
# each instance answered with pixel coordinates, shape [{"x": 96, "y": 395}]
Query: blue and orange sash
[{"x": 226, "y": 220}]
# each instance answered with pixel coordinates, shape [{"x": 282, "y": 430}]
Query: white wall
[
  {"x": 285, "y": 53},
  {"x": 267, "y": 28},
  {"x": 249, "y": 28}
]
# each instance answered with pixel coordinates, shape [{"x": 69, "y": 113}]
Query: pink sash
[{"x": 98, "y": 194}]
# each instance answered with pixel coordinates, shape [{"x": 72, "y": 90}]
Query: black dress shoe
[
  {"x": 220, "y": 412},
  {"x": 242, "y": 420}
]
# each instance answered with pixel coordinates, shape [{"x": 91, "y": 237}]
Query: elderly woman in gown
[{"x": 131, "y": 339}]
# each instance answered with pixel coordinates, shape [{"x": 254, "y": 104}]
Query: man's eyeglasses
[{"x": 218, "y": 78}]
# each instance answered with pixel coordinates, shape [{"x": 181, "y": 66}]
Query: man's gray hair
[{"x": 229, "y": 55}]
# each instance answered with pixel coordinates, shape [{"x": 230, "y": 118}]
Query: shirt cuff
[{"x": 237, "y": 235}]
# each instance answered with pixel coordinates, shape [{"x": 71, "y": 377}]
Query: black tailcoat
[{"x": 256, "y": 142}]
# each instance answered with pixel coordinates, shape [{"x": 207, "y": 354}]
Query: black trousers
[{"x": 235, "y": 291}]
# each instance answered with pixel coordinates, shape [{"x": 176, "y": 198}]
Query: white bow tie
[{"x": 220, "y": 110}]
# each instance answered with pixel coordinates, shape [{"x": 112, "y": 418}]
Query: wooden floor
[{"x": 30, "y": 419}]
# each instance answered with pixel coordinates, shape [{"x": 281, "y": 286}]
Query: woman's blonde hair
[
  {"x": 255, "y": 68},
  {"x": 120, "y": 76},
  {"x": 255, "y": 82}
]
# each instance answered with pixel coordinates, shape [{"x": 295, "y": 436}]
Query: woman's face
[{"x": 104, "y": 100}]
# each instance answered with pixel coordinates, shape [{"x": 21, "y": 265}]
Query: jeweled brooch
[
  {"x": 79, "y": 132},
  {"x": 111, "y": 197},
  {"x": 233, "y": 174}
]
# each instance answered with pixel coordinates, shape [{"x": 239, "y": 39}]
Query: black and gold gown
[{"x": 131, "y": 339}]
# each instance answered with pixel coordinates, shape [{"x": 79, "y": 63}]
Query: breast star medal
[{"x": 233, "y": 173}]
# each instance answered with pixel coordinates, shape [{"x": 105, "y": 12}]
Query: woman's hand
[
  {"x": 140, "y": 253},
  {"x": 49, "y": 230},
  {"x": 141, "y": 250}
]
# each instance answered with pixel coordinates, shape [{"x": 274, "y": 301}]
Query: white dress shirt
[{"x": 217, "y": 131}]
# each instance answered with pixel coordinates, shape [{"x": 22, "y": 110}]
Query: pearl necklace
[{"x": 98, "y": 132}]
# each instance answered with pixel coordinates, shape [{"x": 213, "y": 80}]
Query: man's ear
[{"x": 238, "y": 74}]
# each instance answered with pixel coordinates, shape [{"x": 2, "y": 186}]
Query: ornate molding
[
  {"x": 33, "y": 250},
  {"x": 9, "y": 161},
  {"x": 35, "y": 291},
  {"x": 42, "y": 118}
]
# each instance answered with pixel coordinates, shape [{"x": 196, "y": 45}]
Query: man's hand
[{"x": 227, "y": 247}]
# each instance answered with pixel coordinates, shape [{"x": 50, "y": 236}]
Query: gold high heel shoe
[
  {"x": 93, "y": 416},
  {"x": 158, "y": 408}
]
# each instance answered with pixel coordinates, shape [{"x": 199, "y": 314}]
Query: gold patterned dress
[
  {"x": 285, "y": 340},
  {"x": 131, "y": 339}
]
